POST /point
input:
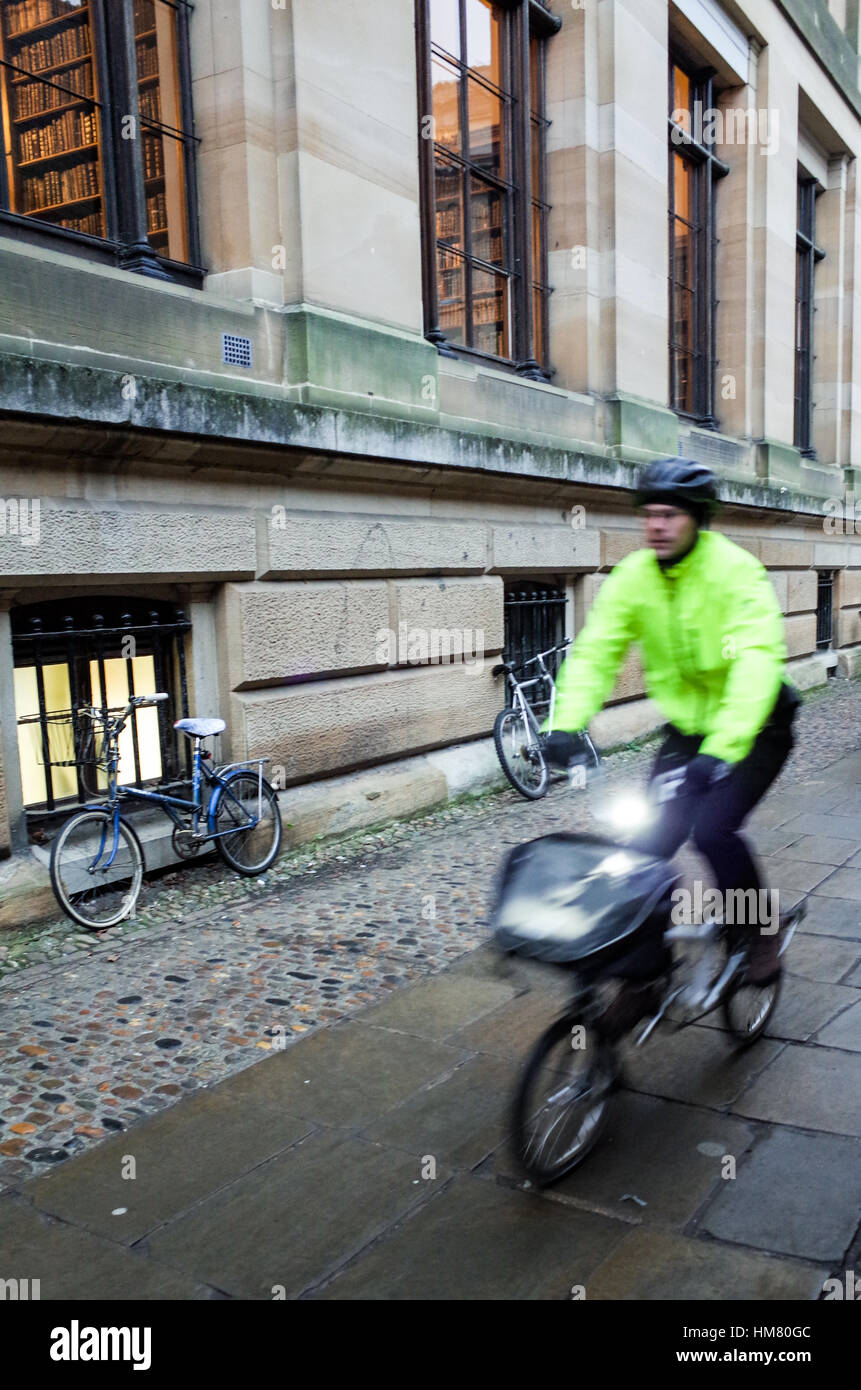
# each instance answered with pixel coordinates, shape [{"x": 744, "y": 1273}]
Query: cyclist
[{"x": 709, "y": 628}]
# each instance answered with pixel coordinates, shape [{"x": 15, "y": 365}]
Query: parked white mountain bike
[{"x": 517, "y": 732}]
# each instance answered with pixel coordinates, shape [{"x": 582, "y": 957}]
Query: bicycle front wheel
[
  {"x": 94, "y": 886},
  {"x": 519, "y": 751},
  {"x": 562, "y": 1101},
  {"x": 249, "y": 809}
]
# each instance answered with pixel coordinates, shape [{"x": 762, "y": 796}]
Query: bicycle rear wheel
[
  {"x": 519, "y": 751},
  {"x": 250, "y": 809},
  {"x": 562, "y": 1101},
  {"x": 93, "y": 888}
]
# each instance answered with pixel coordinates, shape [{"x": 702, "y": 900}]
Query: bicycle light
[{"x": 629, "y": 812}]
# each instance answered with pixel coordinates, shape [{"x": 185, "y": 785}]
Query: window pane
[
  {"x": 487, "y": 222},
  {"x": 490, "y": 312},
  {"x": 484, "y": 39},
  {"x": 683, "y": 188},
  {"x": 538, "y": 324},
  {"x": 536, "y": 131},
  {"x": 31, "y": 747},
  {"x": 452, "y": 294},
  {"x": 157, "y": 52},
  {"x": 446, "y": 104},
  {"x": 53, "y": 154},
  {"x": 681, "y": 99},
  {"x": 445, "y": 25},
  {"x": 117, "y": 683},
  {"x": 537, "y": 242},
  {"x": 486, "y": 131},
  {"x": 449, "y": 201},
  {"x": 536, "y": 52}
]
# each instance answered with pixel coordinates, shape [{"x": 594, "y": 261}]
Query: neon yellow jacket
[{"x": 711, "y": 636}]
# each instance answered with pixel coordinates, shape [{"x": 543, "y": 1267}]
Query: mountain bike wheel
[
  {"x": 93, "y": 892},
  {"x": 519, "y": 751},
  {"x": 748, "y": 1008},
  {"x": 250, "y": 849},
  {"x": 561, "y": 1105}
]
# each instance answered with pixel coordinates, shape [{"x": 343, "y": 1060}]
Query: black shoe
[{"x": 763, "y": 963}]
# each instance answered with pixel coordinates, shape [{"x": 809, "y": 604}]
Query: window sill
[{"x": 97, "y": 250}]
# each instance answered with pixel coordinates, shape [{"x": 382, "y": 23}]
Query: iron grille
[
  {"x": 534, "y": 622},
  {"x": 62, "y": 645},
  {"x": 824, "y": 610}
]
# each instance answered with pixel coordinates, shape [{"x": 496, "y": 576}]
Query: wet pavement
[{"x": 143, "y": 1044}]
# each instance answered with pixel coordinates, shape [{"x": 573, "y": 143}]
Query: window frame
[
  {"x": 805, "y": 246},
  {"x": 708, "y": 168},
  {"x": 524, "y": 19},
  {"x": 125, "y": 244}
]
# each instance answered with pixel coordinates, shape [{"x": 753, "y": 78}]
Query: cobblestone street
[{"x": 99, "y": 1033}]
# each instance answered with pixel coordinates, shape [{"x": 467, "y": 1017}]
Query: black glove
[
  {"x": 561, "y": 749},
  {"x": 704, "y": 772}
]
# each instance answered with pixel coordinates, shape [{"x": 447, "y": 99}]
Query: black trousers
[{"x": 712, "y": 820}]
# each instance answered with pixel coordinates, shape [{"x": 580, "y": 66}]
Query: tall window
[
  {"x": 694, "y": 167},
  {"x": 69, "y": 654},
  {"x": 484, "y": 224},
  {"x": 807, "y": 253},
  {"x": 97, "y": 139}
]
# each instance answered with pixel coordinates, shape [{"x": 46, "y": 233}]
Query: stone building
[{"x": 324, "y": 320}]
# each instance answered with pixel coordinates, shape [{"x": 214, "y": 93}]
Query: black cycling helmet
[{"x": 679, "y": 482}]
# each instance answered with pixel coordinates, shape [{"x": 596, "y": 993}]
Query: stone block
[
  {"x": 779, "y": 584},
  {"x": 300, "y": 545},
  {"x": 786, "y": 554},
  {"x": 801, "y": 591},
  {"x": 800, "y": 634},
  {"x": 456, "y": 616},
  {"x": 279, "y": 631},
  {"x": 657, "y": 1265},
  {"x": 333, "y": 726},
  {"x": 615, "y": 545},
  {"x": 78, "y": 545},
  {"x": 543, "y": 549}
]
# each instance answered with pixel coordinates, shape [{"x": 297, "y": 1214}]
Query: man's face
[{"x": 669, "y": 530}]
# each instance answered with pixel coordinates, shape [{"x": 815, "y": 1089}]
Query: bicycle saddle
[{"x": 200, "y": 728}]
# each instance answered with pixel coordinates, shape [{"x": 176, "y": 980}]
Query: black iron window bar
[
  {"x": 824, "y": 610},
  {"x": 534, "y": 622},
  {"x": 808, "y": 254},
  {"x": 77, "y": 646}
]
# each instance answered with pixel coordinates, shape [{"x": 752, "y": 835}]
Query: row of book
[
  {"x": 26, "y": 14},
  {"x": 92, "y": 223},
  {"x": 156, "y": 213},
  {"x": 60, "y": 186},
  {"x": 36, "y": 97},
  {"x": 147, "y": 60},
  {"x": 59, "y": 48},
  {"x": 68, "y": 132},
  {"x": 448, "y": 222},
  {"x": 144, "y": 15},
  {"x": 149, "y": 103},
  {"x": 153, "y": 157}
]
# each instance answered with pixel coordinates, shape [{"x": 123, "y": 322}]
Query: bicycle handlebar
[
  {"x": 115, "y": 726},
  {"x": 511, "y": 666}
]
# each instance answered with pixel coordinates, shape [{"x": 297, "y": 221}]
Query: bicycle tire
[
  {"x": 95, "y": 905},
  {"x": 737, "y": 1016},
  {"x": 228, "y": 846},
  {"x": 532, "y": 793},
  {"x": 601, "y": 1074}
]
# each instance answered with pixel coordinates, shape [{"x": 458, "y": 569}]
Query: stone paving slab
[
  {"x": 697, "y": 1065},
  {"x": 479, "y": 1241},
  {"x": 440, "y": 1006},
  {"x": 72, "y": 1264},
  {"x": 814, "y": 849},
  {"x": 843, "y": 883},
  {"x": 294, "y": 1219},
  {"x": 832, "y": 917},
  {"x": 823, "y": 823},
  {"x": 172, "y": 1170},
  {"x": 844, "y": 1031},
  {"x": 785, "y": 874},
  {"x": 512, "y": 1030},
  {"x": 346, "y": 1075},
  {"x": 667, "y": 1155},
  {"x": 811, "y": 1087},
  {"x": 653, "y": 1264},
  {"x": 458, "y": 1120},
  {"x": 820, "y": 958},
  {"x": 796, "y": 1194}
]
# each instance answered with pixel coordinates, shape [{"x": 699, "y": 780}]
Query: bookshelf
[
  {"x": 53, "y": 136},
  {"x": 488, "y": 245},
  {"x": 149, "y": 107}
]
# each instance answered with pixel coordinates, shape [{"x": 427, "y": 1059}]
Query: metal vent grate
[{"x": 235, "y": 351}]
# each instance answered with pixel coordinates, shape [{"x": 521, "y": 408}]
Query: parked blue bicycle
[{"x": 97, "y": 861}]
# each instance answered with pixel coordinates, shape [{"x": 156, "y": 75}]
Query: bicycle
[
  {"x": 516, "y": 733},
  {"x": 590, "y": 905},
  {"x": 97, "y": 861}
]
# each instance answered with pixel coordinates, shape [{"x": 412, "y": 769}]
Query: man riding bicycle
[{"x": 709, "y": 628}]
